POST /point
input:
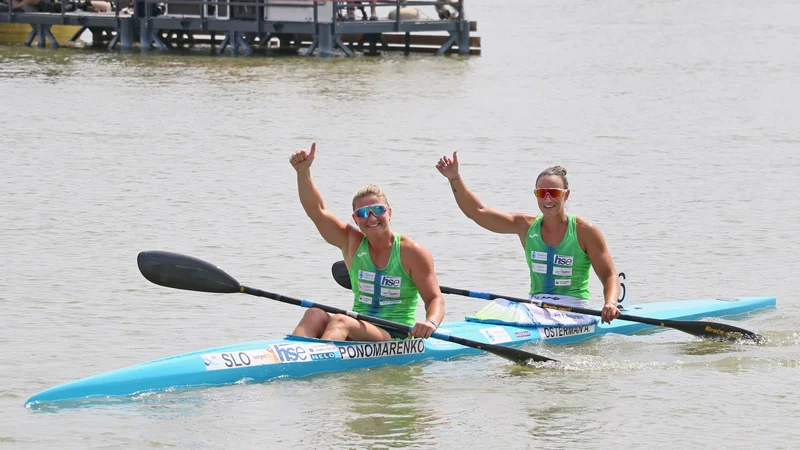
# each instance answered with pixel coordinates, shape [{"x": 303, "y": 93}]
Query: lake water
[{"x": 678, "y": 123}]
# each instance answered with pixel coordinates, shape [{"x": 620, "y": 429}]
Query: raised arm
[
  {"x": 418, "y": 263},
  {"x": 471, "y": 206},
  {"x": 333, "y": 230},
  {"x": 600, "y": 257}
]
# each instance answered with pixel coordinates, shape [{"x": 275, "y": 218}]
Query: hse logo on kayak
[
  {"x": 292, "y": 352},
  {"x": 276, "y": 354},
  {"x": 380, "y": 349},
  {"x": 366, "y": 276},
  {"x": 559, "y": 332},
  {"x": 392, "y": 282},
  {"x": 563, "y": 260}
]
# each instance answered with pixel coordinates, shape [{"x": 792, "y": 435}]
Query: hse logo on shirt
[
  {"x": 563, "y": 260},
  {"x": 390, "y": 282}
]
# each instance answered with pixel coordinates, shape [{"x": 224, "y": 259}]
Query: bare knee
[
  {"x": 339, "y": 321},
  {"x": 312, "y": 324}
]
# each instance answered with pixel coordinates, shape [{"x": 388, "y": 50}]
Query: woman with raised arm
[
  {"x": 560, "y": 248},
  {"x": 389, "y": 272}
]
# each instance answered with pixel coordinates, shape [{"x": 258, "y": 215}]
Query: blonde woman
[{"x": 389, "y": 272}]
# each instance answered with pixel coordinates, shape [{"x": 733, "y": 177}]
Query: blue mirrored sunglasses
[{"x": 377, "y": 210}]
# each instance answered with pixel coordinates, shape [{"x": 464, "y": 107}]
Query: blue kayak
[{"x": 292, "y": 356}]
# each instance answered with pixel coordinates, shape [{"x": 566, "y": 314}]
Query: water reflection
[{"x": 389, "y": 406}]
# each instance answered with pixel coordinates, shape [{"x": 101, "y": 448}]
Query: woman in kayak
[
  {"x": 388, "y": 272},
  {"x": 559, "y": 247}
]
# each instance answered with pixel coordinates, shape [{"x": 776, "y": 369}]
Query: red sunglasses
[{"x": 553, "y": 192}]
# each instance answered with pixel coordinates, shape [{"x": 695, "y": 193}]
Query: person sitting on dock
[
  {"x": 21, "y": 6},
  {"x": 388, "y": 272},
  {"x": 351, "y": 11}
]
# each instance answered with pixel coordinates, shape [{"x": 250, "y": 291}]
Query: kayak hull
[{"x": 267, "y": 359}]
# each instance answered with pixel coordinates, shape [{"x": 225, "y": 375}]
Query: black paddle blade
[
  {"x": 341, "y": 274},
  {"x": 185, "y": 272},
  {"x": 513, "y": 354},
  {"x": 715, "y": 330}
]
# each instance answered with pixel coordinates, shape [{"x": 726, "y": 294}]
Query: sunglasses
[
  {"x": 376, "y": 210},
  {"x": 553, "y": 192}
]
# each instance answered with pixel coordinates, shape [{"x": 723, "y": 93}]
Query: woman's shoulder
[{"x": 410, "y": 247}]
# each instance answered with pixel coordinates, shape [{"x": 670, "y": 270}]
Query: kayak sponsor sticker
[
  {"x": 365, "y": 299},
  {"x": 291, "y": 352},
  {"x": 381, "y": 349},
  {"x": 522, "y": 334},
  {"x": 563, "y": 260},
  {"x": 562, "y": 271},
  {"x": 288, "y": 352},
  {"x": 367, "y": 288},
  {"x": 366, "y": 276},
  {"x": 539, "y": 256},
  {"x": 496, "y": 335},
  {"x": 538, "y": 268},
  {"x": 389, "y": 301},
  {"x": 559, "y": 332},
  {"x": 393, "y": 293},
  {"x": 563, "y": 282},
  {"x": 235, "y": 360}
]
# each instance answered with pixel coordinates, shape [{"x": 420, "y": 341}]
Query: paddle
[
  {"x": 703, "y": 329},
  {"x": 185, "y": 272}
]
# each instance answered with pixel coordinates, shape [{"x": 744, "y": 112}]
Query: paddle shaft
[
  {"x": 511, "y": 353},
  {"x": 178, "y": 271},
  {"x": 697, "y": 328}
]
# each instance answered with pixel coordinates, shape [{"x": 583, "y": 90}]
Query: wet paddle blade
[
  {"x": 513, "y": 354},
  {"x": 178, "y": 271},
  {"x": 714, "y": 330}
]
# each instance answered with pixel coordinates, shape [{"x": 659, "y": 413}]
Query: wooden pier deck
[{"x": 306, "y": 27}]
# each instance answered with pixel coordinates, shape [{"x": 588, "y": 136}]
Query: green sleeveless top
[
  {"x": 387, "y": 293},
  {"x": 559, "y": 270}
]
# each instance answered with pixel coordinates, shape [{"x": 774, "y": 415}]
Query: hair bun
[{"x": 561, "y": 168}]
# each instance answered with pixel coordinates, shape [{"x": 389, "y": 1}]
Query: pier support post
[
  {"x": 236, "y": 40},
  {"x": 463, "y": 38},
  {"x": 41, "y": 33},
  {"x": 325, "y": 40},
  {"x": 125, "y": 33}
]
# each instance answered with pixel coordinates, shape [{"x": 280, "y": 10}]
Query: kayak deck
[{"x": 292, "y": 356}]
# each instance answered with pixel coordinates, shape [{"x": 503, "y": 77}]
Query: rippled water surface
[{"x": 678, "y": 123}]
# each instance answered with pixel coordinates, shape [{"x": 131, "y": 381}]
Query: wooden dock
[{"x": 308, "y": 27}]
